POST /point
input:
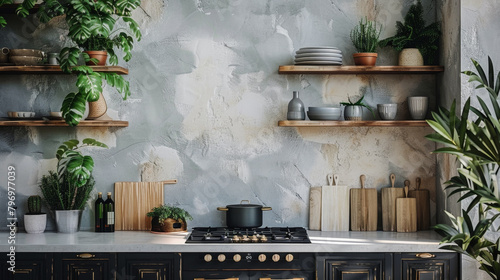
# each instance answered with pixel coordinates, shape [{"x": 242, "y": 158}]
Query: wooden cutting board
[
  {"x": 389, "y": 196},
  {"x": 335, "y": 206},
  {"x": 423, "y": 206},
  {"x": 315, "y": 208},
  {"x": 406, "y": 212},
  {"x": 363, "y": 208},
  {"x": 133, "y": 200}
]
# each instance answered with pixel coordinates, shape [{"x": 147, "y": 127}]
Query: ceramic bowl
[
  {"x": 25, "y": 60},
  {"x": 21, "y": 114},
  {"x": 26, "y": 52},
  {"x": 56, "y": 114},
  {"x": 325, "y": 110},
  {"x": 387, "y": 111},
  {"x": 417, "y": 106},
  {"x": 315, "y": 116}
]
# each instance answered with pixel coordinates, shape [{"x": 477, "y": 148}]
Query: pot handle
[
  {"x": 266, "y": 208},
  {"x": 222, "y": 208},
  {"x": 248, "y": 201}
]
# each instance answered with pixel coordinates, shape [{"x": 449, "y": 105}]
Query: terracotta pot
[
  {"x": 410, "y": 57},
  {"x": 98, "y": 108},
  {"x": 102, "y": 56},
  {"x": 169, "y": 225},
  {"x": 367, "y": 59}
]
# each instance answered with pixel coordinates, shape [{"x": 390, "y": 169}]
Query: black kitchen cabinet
[
  {"x": 28, "y": 266},
  {"x": 84, "y": 266},
  {"x": 370, "y": 266},
  {"x": 424, "y": 266},
  {"x": 153, "y": 266}
]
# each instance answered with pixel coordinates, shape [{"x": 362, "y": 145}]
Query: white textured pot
[
  {"x": 410, "y": 57},
  {"x": 35, "y": 223},
  {"x": 353, "y": 113}
]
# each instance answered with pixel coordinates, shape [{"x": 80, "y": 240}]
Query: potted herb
[
  {"x": 417, "y": 43},
  {"x": 92, "y": 26},
  {"x": 353, "y": 111},
  {"x": 67, "y": 191},
  {"x": 365, "y": 37},
  {"x": 167, "y": 218},
  {"x": 35, "y": 221},
  {"x": 473, "y": 138}
]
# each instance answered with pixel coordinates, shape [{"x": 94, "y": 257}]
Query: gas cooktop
[{"x": 255, "y": 235}]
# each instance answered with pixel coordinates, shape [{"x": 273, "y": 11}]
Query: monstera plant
[
  {"x": 107, "y": 23},
  {"x": 474, "y": 138}
]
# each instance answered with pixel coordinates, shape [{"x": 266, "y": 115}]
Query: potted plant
[
  {"x": 365, "y": 37},
  {"x": 67, "y": 191},
  {"x": 167, "y": 218},
  {"x": 416, "y": 42},
  {"x": 474, "y": 139},
  {"x": 353, "y": 111},
  {"x": 91, "y": 26},
  {"x": 35, "y": 221}
]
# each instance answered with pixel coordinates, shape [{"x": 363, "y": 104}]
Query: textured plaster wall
[{"x": 206, "y": 99}]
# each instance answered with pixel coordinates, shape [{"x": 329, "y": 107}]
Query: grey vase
[{"x": 296, "y": 108}]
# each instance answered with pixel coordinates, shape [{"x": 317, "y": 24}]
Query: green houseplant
[
  {"x": 414, "y": 34},
  {"x": 103, "y": 24},
  {"x": 35, "y": 221},
  {"x": 353, "y": 111},
  {"x": 167, "y": 218},
  {"x": 474, "y": 138},
  {"x": 67, "y": 191},
  {"x": 365, "y": 38}
]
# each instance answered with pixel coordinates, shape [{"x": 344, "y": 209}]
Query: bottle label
[{"x": 111, "y": 218}]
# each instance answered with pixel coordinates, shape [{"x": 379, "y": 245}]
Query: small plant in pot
[
  {"x": 167, "y": 218},
  {"x": 365, "y": 37},
  {"x": 416, "y": 42},
  {"x": 35, "y": 221},
  {"x": 67, "y": 191},
  {"x": 353, "y": 111}
]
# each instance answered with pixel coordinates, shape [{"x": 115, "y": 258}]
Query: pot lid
[{"x": 241, "y": 206}]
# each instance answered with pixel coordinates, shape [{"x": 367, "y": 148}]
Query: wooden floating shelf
[
  {"x": 60, "y": 123},
  {"x": 11, "y": 9},
  {"x": 334, "y": 70},
  {"x": 51, "y": 69},
  {"x": 398, "y": 123}
]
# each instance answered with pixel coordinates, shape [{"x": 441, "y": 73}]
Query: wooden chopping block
[
  {"x": 133, "y": 200},
  {"x": 334, "y": 206},
  {"x": 406, "y": 212},
  {"x": 423, "y": 206},
  {"x": 389, "y": 196},
  {"x": 363, "y": 208},
  {"x": 315, "y": 208}
]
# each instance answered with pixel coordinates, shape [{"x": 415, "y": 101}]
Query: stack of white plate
[{"x": 318, "y": 56}]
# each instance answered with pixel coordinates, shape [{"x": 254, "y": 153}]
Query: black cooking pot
[{"x": 244, "y": 215}]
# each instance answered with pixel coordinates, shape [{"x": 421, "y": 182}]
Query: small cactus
[{"x": 35, "y": 204}]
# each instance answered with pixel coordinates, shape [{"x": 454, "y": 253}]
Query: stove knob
[
  {"x": 262, "y": 258},
  {"x": 276, "y": 258},
  {"x": 221, "y": 258},
  {"x": 208, "y": 258},
  {"x": 289, "y": 257},
  {"x": 237, "y": 258}
]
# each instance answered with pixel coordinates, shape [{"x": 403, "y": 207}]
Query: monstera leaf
[{"x": 73, "y": 108}]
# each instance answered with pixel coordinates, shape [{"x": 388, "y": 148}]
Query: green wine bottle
[
  {"x": 99, "y": 213},
  {"x": 109, "y": 214}
]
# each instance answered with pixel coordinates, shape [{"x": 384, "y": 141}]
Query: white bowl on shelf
[{"x": 387, "y": 111}]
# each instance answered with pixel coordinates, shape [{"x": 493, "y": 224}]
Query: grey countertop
[{"x": 141, "y": 241}]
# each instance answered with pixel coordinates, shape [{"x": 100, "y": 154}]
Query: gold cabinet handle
[
  {"x": 425, "y": 255},
  {"x": 85, "y": 256}
]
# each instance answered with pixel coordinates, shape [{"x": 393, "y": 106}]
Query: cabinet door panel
[
  {"x": 73, "y": 266},
  {"x": 28, "y": 266},
  {"x": 354, "y": 267},
  {"x": 155, "y": 266},
  {"x": 436, "y": 266}
]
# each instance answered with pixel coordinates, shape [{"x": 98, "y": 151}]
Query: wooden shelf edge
[
  {"x": 397, "y": 123},
  {"x": 316, "y": 69},
  {"x": 55, "y": 69},
  {"x": 61, "y": 123}
]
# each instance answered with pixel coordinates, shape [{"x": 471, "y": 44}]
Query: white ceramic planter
[
  {"x": 417, "y": 106},
  {"x": 353, "y": 113},
  {"x": 35, "y": 223},
  {"x": 410, "y": 57}
]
